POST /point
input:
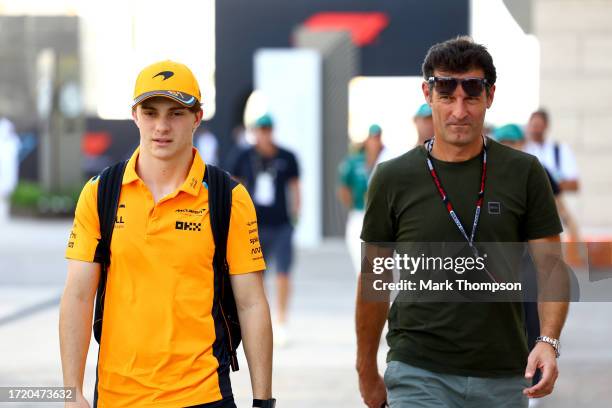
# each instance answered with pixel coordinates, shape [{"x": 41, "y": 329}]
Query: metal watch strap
[
  {"x": 555, "y": 343},
  {"x": 270, "y": 403}
]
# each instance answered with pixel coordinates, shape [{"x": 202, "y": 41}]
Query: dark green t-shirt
[{"x": 403, "y": 205}]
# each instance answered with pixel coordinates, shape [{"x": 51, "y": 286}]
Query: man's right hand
[
  {"x": 80, "y": 402},
  {"x": 372, "y": 389}
]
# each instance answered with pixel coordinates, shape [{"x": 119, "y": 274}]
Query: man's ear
[
  {"x": 199, "y": 115},
  {"x": 426, "y": 91},
  {"x": 134, "y": 116},
  {"x": 490, "y": 96}
]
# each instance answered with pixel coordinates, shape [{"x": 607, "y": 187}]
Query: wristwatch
[
  {"x": 269, "y": 403},
  {"x": 555, "y": 343}
]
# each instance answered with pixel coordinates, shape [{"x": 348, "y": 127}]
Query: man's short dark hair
[
  {"x": 542, "y": 113},
  {"x": 460, "y": 55},
  {"x": 196, "y": 108}
]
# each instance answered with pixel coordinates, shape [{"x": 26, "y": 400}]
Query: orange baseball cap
[{"x": 168, "y": 79}]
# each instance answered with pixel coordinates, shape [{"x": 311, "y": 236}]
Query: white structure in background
[
  {"x": 389, "y": 102},
  {"x": 113, "y": 55},
  {"x": 392, "y": 101},
  {"x": 9, "y": 164},
  {"x": 256, "y": 106},
  {"x": 291, "y": 80},
  {"x": 119, "y": 37},
  {"x": 517, "y": 59}
]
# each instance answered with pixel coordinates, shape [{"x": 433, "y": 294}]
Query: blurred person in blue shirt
[
  {"x": 556, "y": 157},
  {"x": 512, "y": 135}
]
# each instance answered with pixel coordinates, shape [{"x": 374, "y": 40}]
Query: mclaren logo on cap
[{"x": 165, "y": 74}]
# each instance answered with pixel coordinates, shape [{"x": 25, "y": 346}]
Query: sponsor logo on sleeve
[
  {"x": 72, "y": 238},
  {"x": 256, "y": 250}
]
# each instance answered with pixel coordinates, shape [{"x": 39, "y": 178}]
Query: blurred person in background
[
  {"x": 239, "y": 145},
  {"x": 271, "y": 174},
  {"x": 556, "y": 157},
  {"x": 162, "y": 342},
  {"x": 558, "y": 161},
  {"x": 354, "y": 175},
  {"x": 423, "y": 123},
  {"x": 466, "y": 354},
  {"x": 488, "y": 129},
  {"x": 9, "y": 165},
  {"x": 512, "y": 135},
  {"x": 208, "y": 146}
]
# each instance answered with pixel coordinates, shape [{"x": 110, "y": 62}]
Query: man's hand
[
  {"x": 543, "y": 357},
  {"x": 80, "y": 402},
  {"x": 372, "y": 389}
]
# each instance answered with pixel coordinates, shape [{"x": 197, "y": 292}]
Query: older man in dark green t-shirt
[{"x": 459, "y": 187}]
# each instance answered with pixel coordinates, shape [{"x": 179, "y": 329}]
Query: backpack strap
[
  {"x": 220, "y": 186},
  {"x": 557, "y": 153},
  {"x": 109, "y": 190}
]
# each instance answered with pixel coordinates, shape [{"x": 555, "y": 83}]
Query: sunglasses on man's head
[{"x": 447, "y": 85}]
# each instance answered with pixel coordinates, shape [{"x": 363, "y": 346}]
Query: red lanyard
[
  {"x": 449, "y": 205},
  {"x": 446, "y": 200}
]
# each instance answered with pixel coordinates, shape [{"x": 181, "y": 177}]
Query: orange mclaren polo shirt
[{"x": 158, "y": 343}]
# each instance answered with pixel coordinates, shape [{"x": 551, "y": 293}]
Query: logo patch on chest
[
  {"x": 119, "y": 222},
  {"x": 190, "y": 212},
  {"x": 188, "y": 226},
  {"x": 494, "y": 207}
]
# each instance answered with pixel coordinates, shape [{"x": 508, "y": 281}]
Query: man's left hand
[{"x": 542, "y": 356}]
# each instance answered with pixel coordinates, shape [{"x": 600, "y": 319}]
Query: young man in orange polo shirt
[{"x": 159, "y": 347}]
